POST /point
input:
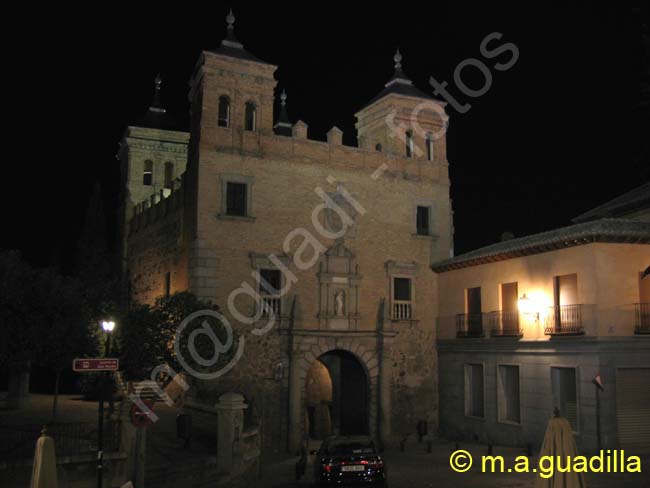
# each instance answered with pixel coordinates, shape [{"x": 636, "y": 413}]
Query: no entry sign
[{"x": 105, "y": 364}]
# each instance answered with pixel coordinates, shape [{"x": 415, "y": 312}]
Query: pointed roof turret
[
  {"x": 156, "y": 116},
  {"x": 399, "y": 84},
  {"x": 283, "y": 125},
  {"x": 230, "y": 46}
]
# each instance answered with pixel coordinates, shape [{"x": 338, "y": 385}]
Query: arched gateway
[
  {"x": 336, "y": 396},
  {"x": 344, "y": 370}
]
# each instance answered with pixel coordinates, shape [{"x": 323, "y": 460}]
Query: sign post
[{"x": 88, "y": 365}]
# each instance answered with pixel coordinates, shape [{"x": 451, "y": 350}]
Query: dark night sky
[{"x": 555, "y": 135}]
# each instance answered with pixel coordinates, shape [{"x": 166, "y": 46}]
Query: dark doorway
[{"x": 347, "y": 404}]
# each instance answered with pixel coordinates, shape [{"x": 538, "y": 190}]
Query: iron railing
[
  {"x": 469, "y": 325},
  {"x": 504, "y": 324},
  {"x": 70, "y": 439},
  {"x": 642, "y": 313},
  {"x": 564, "y": 320},
  {"x": 401, "y": 310}
]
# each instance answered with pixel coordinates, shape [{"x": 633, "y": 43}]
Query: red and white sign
[
  {"x": 105, "y": 364},
  {"x": 141, "y": 415}
]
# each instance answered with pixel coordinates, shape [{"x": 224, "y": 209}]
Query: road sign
[
  {"x": 87, "y": 364},
  {"x": 141, "y": 414}
]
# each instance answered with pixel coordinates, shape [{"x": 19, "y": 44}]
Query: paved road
[{"x": 418, "y": 469}]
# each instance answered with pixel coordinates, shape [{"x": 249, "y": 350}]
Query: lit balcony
[
  {"x": 564, "y": 320},
  {"x": 504, "y": 324},
  {"x": 642, "y": 323},
  {"x": 469, "y": 325}
]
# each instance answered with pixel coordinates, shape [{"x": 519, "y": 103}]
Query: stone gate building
[{"x": 331, "y": 243}]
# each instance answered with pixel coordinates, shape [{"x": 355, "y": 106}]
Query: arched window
[
  {"x": 378, "y": 147},
  {"x": 147, "y": 175},
  {"x": 224, "y": 111},
  {"x": 409, "y": 144},
  {"x": 169, "y": 174},
  {"x": 251, "y": 116},
  {"x": 429, "y": 142}
]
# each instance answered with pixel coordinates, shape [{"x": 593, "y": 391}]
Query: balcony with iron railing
[
  {"x": 564, "y": 320},
  {"x": 469, "y": 325},
  {"x": 642, "y": 318},
  {"x": 402, "y": 310},
  {"x": 504, "y": 324}
]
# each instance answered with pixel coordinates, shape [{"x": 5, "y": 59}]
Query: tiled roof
[
  {"x": 636, "y": 199},
  {"x": 603, "y": 230}
]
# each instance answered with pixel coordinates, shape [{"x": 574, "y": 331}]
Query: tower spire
[
  {"x": 156, "y": 103},
  {"x": 398, "y": 76},
  {"x": 231, "y": 40},
  {"x": 283, "y": 125}
]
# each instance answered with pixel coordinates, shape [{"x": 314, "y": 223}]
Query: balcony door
[
  {"x": 643, "y": 309},
  {"x": 509, "y": 307},
  {"x": 475, "y": 319},
  {"x": 566, "y": 295}
]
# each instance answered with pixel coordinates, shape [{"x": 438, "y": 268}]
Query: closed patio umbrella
[{"x": 44, "y": 470}]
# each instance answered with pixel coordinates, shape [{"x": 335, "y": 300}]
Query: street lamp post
[{"x": 107, "y": 326}]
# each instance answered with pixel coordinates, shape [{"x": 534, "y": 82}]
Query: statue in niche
[{"x": 339, "y": 303}]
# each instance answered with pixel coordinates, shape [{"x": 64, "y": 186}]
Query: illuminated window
[
  {"x": 147, "y": 175},
  {"x": 251, "y": 116},
  {"x": 224, "y": 111}
]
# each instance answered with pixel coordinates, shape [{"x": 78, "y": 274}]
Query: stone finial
[
  {"x": 283, "y": 98},
  {"x": 398, "y": 60},
  {"x": 300, "y": 130},
  {"x": 230, "y": 20},
  {"x": 335, "y": 136}
]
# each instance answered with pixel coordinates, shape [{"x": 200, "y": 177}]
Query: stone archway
[
  {"x": 308, "y": 348},
  {"x": 336, "y": 400}
]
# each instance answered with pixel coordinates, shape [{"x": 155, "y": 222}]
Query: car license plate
[{"x": 356, "y": 467}]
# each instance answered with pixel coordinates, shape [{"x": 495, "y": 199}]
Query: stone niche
[{"x": 338, "y": 281}]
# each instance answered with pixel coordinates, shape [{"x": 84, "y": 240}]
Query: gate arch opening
[{"x": 337, "y": 396}]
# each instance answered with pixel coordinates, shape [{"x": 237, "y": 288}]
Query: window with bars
[
  {"x": 236, "y": 203},
  {"x": 474, "y": 391},
  {"x": 508, "y": 394}
]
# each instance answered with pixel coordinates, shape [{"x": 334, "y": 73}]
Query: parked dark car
[{"x": 349, "y": 461}]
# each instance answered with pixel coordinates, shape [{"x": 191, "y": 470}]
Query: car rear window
[{"x": 338, "y": 448}]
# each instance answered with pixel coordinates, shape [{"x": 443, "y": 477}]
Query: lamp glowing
[
  {"x": 525, "y": 304},
  {"x": 108, "y": 325}
]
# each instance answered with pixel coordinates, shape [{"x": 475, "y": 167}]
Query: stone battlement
[{"x": 158, "y": 206}]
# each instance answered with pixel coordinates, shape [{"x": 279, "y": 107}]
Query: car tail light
[{"x": 327, "y": 467}]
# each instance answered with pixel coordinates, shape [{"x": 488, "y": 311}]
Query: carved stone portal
[{"x": 339, "y": 280}]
